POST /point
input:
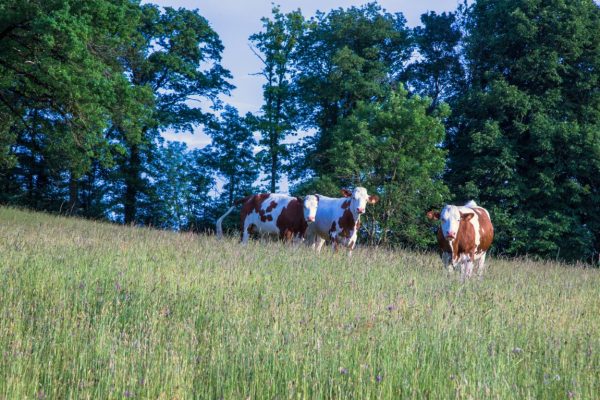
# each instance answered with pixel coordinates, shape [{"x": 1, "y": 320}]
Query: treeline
[{"x": 498, "y": 102}]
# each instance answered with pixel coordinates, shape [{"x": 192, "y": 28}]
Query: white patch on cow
[
  {"x": 450, "y": 217},
  {"x": 310, "y": 208},
  {"x": 468, "y": 209},
  {"x": 471, "y": 204}
]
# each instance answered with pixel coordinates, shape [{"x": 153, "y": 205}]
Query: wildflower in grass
[
  {"x": 343, "y": 371},
  {"x": 41, "y": 395},
  {"x": 517, "y": 350},
  {"x": 391, "y": 307},
  {"x": 379, "y": 378},
  {"x": 127, "y": 394},
  {"x": 117, "y": 286},
  {"x": 570, "y": 395}
]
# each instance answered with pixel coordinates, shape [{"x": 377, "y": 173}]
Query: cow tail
[{"x": 220, "y": 222}]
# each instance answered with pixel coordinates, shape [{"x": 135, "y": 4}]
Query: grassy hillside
[{"x": 92, "y": 310}]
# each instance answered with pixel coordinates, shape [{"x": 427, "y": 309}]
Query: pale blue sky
[{"x": 236, "y": 20}]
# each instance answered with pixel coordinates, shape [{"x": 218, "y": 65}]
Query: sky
[{"x": 235, "y": 20}]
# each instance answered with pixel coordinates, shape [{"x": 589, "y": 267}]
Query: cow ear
[
  {"x": 434, "y": 215},
  {"x": 373, "y": 199},
  {"x": 466, "y": 217},
  {"x": 346, "y": 193}
]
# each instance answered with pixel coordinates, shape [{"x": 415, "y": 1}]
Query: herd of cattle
[{"x": 464, "y": 236}]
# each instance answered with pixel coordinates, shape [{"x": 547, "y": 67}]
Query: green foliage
[
  {"x": 97, "y": 310},
  {"x": 437, "y": 72},
  {"x": 176, "y": 55},
  {"x": 178, "y": 190},
  {"x": 275, "y": 47},
  {"x": 525, "y": 135},
  {"x": 231, "y": 154},
  {"x": 346, "y": 56},
  {"x": 59, "y": 82},
  {"x": 392, "y": 148}
]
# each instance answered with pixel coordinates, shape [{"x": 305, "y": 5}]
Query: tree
[
  {"x": 179, "y": 182},
  {"x": 437, "y": 73},
  {"x": 275, "y": 46},
  {"x": 345, "y": 57},
  {"x": 525, "y": 136},
  {"x": 392, "y": 147},
  {"x": 176, "y": 55},
  {"x": 59, "y": 77},
  {"x": 231, "y": 154}
]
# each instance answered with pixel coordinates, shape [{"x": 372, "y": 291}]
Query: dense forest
[{"x": 498, "y": 101}]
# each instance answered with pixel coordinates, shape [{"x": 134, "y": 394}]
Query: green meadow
[{"x": 100, "y": 311}]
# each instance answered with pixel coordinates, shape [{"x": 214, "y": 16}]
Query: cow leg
[
  {"x": 351, "y": 247},
  {"x": 286, "y": 236},
  {"x": 467, "y": 266},
  {"x": 246, "y": 232},
  {"x": 481, "y": 265},
  {"x": 298, "y": 239},
  {"x": 334, "y": 244},
  {"x": 447, "y": 261},
  {"x": 318, "y": 243}
]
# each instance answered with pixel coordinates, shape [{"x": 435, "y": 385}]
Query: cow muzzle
[
  {"x": 310, "y": 219},
  {"x": 451, "y": 235},
  {"x": 360, "y": 210}
]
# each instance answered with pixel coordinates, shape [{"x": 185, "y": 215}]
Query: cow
[
  {"x": 274, "y": 213},
  {"x": 338, "y": 219},
  {"x": 464, "y": 236}
]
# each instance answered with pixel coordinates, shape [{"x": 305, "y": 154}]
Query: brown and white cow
[
  {"x": 464, "y": 237},
  {"x": 274, "y": 213},
  {"x": 338, "y": 219}
]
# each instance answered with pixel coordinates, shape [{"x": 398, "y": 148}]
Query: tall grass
[{"x": 91, "y": 310}]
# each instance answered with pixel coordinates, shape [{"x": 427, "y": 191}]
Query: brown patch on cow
[
  {"x": 333, "y": 227},
  {"x": 251, "y": 203},
  {"x": 346, "y": 204},
  {"x": 265, "y": 217},
  {"x": 271, "y": 206},
  {"x": 291, "y": 220},
  {"x": 346, "y": 192},
  {"x": 347, "y": 224}
]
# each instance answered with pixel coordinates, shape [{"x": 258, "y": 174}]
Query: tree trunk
[
  {"x": 231, "y": 189},
  {"x": 73, "y": 195},
  {"x": 273, "y": 171},
  {"x": 132, "y": 183}
]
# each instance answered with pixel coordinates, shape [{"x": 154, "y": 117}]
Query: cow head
[
  {"x": 359, "y": 199},
  {"x": 311, "y": 202},
  {"x": 451, "y": 217}
]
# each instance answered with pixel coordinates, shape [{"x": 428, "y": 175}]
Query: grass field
[{"x": 91, "y": 310}]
